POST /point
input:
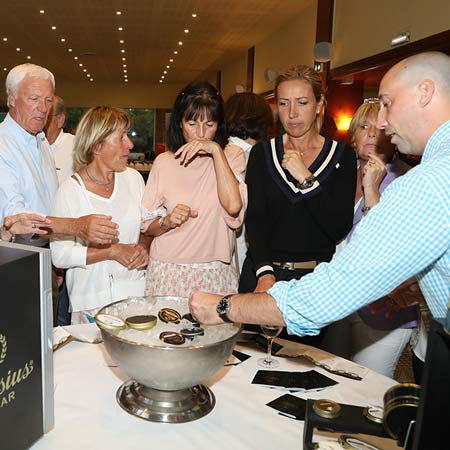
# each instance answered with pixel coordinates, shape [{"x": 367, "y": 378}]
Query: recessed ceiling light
[
  {"x": 124, "y": 65},
  {"x": 91, "y": 79},
  {"x": 5, "y": 69},
  {"x": 160, "y": 81},
  {"x": 170, "y": 60},
  {"x": 180, "y": 43},
  {"x": 120, "y": 29},
  {"x": 118, "y": 13},
  {"x": 81, "y": 64},
  {"x": 162, "y": 77},
  {"x": 123, "y": 50},
  {"x": 194, "y": 15},
  {"x": 122, "y": 41},
  {"x": 18, "y": 49},
  {"x": 84, "y": 70},
  {"x": 168, "y": 67},
  {"x": 75, "y": 57},
  {"x": 42, "y": 11},
  {"x": 124, "y": 59},
  {"x": 70, "y": 49},
  {"x": 5, "y": 39},
  {"x": 53, "y": 27},
  {"x": 175, "y": 52},
  {"x": 124, "y": 70},
  {"x": 63, "y": 40},
  {"x": 88, "y": 75},
  {"x": 28, "y": 57},
  {"x": 165, "y": 72},
  {"x": 126, "y": 81},
  {"x": 186, "y": 30}
]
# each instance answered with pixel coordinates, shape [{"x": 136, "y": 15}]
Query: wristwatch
[
  {"x": 223, "y": 308},
  {"x": 306, "y": 183}
]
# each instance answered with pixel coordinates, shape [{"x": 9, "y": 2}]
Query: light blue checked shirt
[
  {"x": 28, "y": 180},
  {"x": 407, "y": 233}
]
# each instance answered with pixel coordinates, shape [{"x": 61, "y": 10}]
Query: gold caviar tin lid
[
  {"x": 109, "y": 322},
  {"x": 374, "y": 413},
  {"x": 327, "y": 408},
  {"x": 141, "y": 322}
]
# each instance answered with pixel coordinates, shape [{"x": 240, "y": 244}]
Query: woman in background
[
  {"x": 376, "y": 341},
  {"x": 200, "y": 182},
  {"x": 249, "y": 120}
]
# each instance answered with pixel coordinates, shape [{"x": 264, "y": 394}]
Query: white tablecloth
[{"x": 87, "y": 416}]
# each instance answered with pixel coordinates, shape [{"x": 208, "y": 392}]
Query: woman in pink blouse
[{"x": 200, "y": 183}]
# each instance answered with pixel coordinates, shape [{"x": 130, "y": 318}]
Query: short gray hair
[{"x": 18, "y": 73}]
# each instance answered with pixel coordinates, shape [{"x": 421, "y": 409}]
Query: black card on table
[
  {"x": 293, "y": 381},
  {"x": 290, "y": 406}
]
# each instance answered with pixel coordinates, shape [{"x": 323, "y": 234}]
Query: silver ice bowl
[{"x": 165, "y": 383}]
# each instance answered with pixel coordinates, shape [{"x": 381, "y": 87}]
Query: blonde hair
[
  {"x": 95, "y": 126},
  {"x": 361, "y": 115},
  {"x": 308, "y": 74}
]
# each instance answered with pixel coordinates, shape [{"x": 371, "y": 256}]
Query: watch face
[{"x": 222, "y": 306}]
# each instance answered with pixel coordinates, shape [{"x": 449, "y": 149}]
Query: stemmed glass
[{"x": 270, "y": 332}]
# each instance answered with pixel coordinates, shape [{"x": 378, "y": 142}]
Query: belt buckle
[{"x": 289, "y": 265}]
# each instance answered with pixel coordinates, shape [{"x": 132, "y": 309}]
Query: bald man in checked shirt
[{"x": 406, "y": 234}]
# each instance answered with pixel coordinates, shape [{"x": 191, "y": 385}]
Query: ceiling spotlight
[
  {"x": 70, "y": 49},
  {"x": 165, "y": 72},
  {"x": 180, "y": 43},
  {"x": 123, "y": 50},
  {"x": 5, "y": 39},
  {"x": 162, "y": 77},
  {"x": 124, "y": 70},
  {"x": 122, "y": 41},
  {"x": 118, "y": 13},
  {"x": 186, "y": 30},
  {"x": 125, "y": 76},
  {"x": 126, "y": 81},
  {"x": 18, "y": 49},
  {"x": 170, "y": 60},
  {"x": 160, "y": 81},
  {"x": 167, "y": 67},
  {"x": 81, "y": 64},
  {"x": 42, "y": 11},
  {"x": 194, "y": 15},
  {"x": 124, "y": 59},
  {"x": 91, "y": 79},
  {"x": 88, "y": 75},
  {"x": 53, "y": 27},
  {"x": 63, "y": 40},
  {"x": 175, "y": 52},
  {"x": 124, "y": 65},
  {"x": 75, "y": 57},
  {"x": 120, "y": 29},
  {"x": 5, "y": 69},
  {"x": 28, "y": 57},
  {"x": 84, "y": 70}
]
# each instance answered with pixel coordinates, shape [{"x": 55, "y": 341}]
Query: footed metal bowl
[{"x": 165, "y": 385}]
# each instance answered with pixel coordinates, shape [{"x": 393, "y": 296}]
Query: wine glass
[{"x": 270, "y": 332}]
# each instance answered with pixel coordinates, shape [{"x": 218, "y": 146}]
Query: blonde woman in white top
[{"x": 103, "y": 185}]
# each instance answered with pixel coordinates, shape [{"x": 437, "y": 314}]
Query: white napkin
[{"x": 86, "y": 332}]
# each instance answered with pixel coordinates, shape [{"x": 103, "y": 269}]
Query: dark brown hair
[{"x": 248, "y": 116}]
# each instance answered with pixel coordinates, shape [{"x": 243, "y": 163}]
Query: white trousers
[{"x": 378, "y": 350}]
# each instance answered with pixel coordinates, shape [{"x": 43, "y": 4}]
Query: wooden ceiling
[{"x": 151, "y": 32}]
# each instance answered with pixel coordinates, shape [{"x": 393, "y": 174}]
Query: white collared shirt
[
  {"x": 62, "y": 153},
  {"x": 28, "y": 180}
]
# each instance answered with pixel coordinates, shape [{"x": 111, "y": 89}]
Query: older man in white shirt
[
  {"x": 61, "y": 143},
  {"x": 28, "y": 180}
]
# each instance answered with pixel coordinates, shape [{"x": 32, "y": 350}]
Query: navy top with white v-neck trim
[{"x": 285, "y": 223}]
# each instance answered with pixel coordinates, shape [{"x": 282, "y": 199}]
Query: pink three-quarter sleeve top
[{"x": 209, "y": 236}]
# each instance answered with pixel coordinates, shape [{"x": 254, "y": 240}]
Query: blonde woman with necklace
[{"x": 103, "y": 185}]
